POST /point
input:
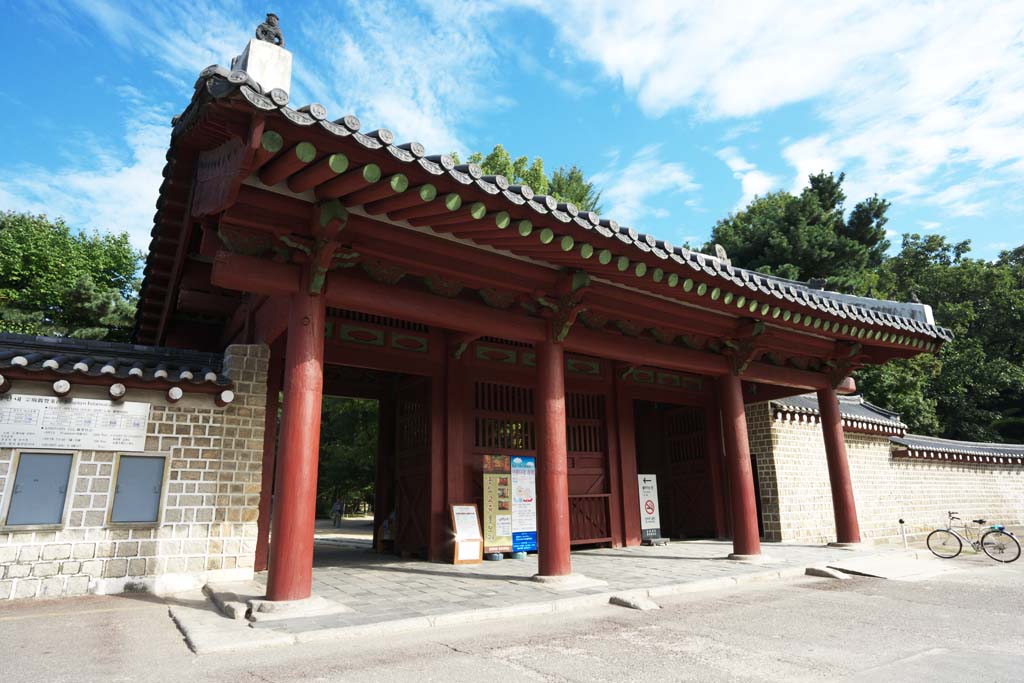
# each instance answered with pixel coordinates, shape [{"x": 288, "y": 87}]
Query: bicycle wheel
[
  {"x": 944, "y": 543},
  {"x": 1000, "y": 546}
]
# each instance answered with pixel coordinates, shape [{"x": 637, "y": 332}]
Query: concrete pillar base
[
  {"x": 275, "y": 610},
  {"x": 568, "y": 582},
  {"x": 752, "y": 559},
  {"x": 848, "y": 546}
]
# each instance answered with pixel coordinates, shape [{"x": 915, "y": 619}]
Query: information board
[
  {"x": 524, "y": 504},
  {"x": 497, "y": 504},
  {"x": 650, "y": 518},
  {"x": 468, "y": 541},
  {"x": 84, "y": 424}
]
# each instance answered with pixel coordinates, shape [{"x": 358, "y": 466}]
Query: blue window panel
[
  {"x": 137, "y": 491},
  {"x": 40, "y": 489}
]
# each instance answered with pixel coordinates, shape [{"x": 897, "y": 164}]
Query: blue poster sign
[{"x": 524, "y": 504}]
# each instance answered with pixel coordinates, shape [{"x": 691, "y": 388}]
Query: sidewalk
[{"x": 384, "y": 595}]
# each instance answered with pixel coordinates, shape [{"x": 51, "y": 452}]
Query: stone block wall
[
  {"x": 797, "y": 501},
  {"x": 207, "y": 528}
]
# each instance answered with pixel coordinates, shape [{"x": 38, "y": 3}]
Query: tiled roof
[
  {"x": 66, "y": 358},
  {"x": 930, "y": 447},
  {"x": 856, "y": 412},
  {"x": 218, "y": 84}
]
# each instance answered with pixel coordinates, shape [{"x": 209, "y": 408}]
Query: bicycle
[{"x": 998, "y": 543}]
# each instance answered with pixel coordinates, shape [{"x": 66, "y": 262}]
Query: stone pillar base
[
  {"x": 848, "y": 546},
  {"x": 569, "y": 582},
  {"x": 753, "y": 559}
]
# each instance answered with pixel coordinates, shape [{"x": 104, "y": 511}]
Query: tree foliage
[
  {"x": 566, "y": 184},
  {"x": 55, "y": 281},
  {"x": 972, "y": 389},
  {"x": 348, "y": 452},
  {"x": 809, "y": 235}
]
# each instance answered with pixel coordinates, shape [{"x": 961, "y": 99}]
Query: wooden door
[
  {"x": 589, "y": 488},
  {"x": 690, "y": 511},
  {"x": 412, "y": 466}
]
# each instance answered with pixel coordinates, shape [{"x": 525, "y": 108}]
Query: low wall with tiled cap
[
  {"x": 796, "y": 499},
  {"x": 207, "y": 527}
]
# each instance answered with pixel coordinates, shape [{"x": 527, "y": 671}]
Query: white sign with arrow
[{"x": 650, "y": 520}]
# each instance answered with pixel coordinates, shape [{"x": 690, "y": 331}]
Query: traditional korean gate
[
  {"x": 691, "y": 513},
  {"x": 412, "y": 465}
]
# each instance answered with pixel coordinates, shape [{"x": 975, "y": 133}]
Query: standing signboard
[
  {"x": 650, "y": 519},
  {"x": 468, "y": 542},
  {"x": 524, "y": 504},
  {"x": 497, "y": 504}
]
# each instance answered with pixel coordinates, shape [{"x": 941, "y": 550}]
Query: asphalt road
[{"x": 965, "y": 625}]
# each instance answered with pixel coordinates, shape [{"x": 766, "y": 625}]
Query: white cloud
[
  {"x": 913, "y": 99},
  {"x": 627, "y": 190},
  {"x": 99, "y": 188},
  {"x": 929, "y": 225},
  {"x": 753, "y": 181},
  {"x": 420, "y": 74}
]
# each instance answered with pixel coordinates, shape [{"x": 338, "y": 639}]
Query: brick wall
[
  {"x": 208, "y": 525},
  {"x": 794, "y": 485}
]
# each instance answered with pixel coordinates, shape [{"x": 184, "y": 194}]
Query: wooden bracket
[
  {"x": 458, "y": 343},
  {"x": 565, "y": 307},
  {"x": 742, "y": 348},
  {"x": 844, "y": 361},
  {"x": 323, "y": 252}
]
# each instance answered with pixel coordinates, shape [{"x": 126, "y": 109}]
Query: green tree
[
  {"x": 975, "y": 382},
  {"x": 570, "y": 185},
  {"x": 348, "y": 452},
  {"x": 56, "y": 281},
  {"x": 808, "y": 236}
]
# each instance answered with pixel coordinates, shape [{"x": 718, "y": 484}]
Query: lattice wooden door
[
  {"x": 589, "y": 491},
  {"x": 690, "y": 513},
  {"x": 412, "y": 465}
]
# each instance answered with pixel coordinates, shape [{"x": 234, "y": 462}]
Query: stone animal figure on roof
[{"x": 270, "y": 31}]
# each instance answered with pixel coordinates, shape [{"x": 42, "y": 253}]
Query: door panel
[
  {"x": 690, "y": 512},
  {"x": 412, "y": 465}
]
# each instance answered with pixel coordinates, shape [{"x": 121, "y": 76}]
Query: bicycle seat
[{"x": 978, "y": 521}]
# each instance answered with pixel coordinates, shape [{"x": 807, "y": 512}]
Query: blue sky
[{"x": 680, "y": 111}]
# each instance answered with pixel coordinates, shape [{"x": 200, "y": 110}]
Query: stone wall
[
  {"x": 207, "y": 528},
  {"x": 797, "y": 501}
]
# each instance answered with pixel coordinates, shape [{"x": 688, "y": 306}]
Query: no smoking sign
[{"x": 650, "y": 520}]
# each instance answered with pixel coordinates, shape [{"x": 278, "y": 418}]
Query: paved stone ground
[
  {"x": 964, "y": 625},
  {"x": 380, "y": 588}
]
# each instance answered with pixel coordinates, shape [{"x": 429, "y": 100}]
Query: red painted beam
[
  {"x": 205, "y": 303},
  {"x": 253, "y": 274},
  {"x": 271, "y": 319},
  {"x": 346, "y": 291}
]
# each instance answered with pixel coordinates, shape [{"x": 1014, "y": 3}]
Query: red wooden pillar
[
  {"x": 847, "y": 528},
  {"x": 616, "y": 479},
  {"x": 269, "y": 458},
  {"x": 552, "y": 462},
  {"x": 745, "y": 537},
  {"x": 291, "y": 554},
  {"x": 437, "y": 539},
  {"x": 384, "y": 486},
  {"x": 713, "y": 447},
  {"x": 627, "y": 459}
]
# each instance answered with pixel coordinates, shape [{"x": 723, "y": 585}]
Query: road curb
[{"x": 202, "y": 641}]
